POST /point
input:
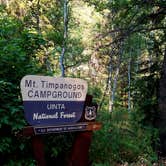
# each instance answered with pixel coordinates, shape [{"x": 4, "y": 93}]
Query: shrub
[{"x": 122, "y": 139}]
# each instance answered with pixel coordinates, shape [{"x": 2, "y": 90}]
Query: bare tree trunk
[
  {"x": 110, "y": 83},
  {"x": 105, "y": 91},
  {"x": 161, "y": 123},
  {"x": 38, "y": 17},
  {"x": 114, "y": 89},
  {"x": 62, "y": 66},
  {"x": 129, "y": 82},
  {"x": 112, "y": 96},
  {"x": 108, "y": 88}
]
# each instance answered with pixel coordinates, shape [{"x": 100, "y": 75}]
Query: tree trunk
[
  {"x": 129, "y": 83},
  {"x": 38, "y": 17},
  {"x": 62, "y": 66},
  {"x": 161, "y": 123},
  {"x": 112, "y": 97}
]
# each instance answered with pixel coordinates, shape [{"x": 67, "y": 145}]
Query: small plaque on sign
[
  {"x": 51, "y": 100},
  {"x": 60, "y": 128}
]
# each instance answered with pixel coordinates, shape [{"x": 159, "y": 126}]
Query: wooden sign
[{"x": 53, "y": 100}]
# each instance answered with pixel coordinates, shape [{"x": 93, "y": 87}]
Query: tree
[
  {"x": 18, "y": 47},
  {"x": 162, "y": 107},
  {"x": 144, "y": 19},
  {"x": 65, "y": 17}
]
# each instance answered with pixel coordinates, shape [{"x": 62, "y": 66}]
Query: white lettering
[
  {"x": 67, "y": 116},
  {"x": 56, "y": 107},
  {"x": 37, "y": 116},
  {"x": 52, "y": 85}
]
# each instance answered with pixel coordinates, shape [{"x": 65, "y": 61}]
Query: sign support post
[
  {"x": 80, "y": 150},
  {"x": 38, "y": 150}
]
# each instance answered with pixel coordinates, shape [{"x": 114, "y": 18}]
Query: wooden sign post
[
  {"x": 80, "y": 150},
  {"x": 58, "y": 105}
]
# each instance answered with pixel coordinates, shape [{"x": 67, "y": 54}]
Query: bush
[
  {"x": 122, "y": 139},
  {"x": 16, "y": 57}
]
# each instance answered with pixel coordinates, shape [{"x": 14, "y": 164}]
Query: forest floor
[{"x": 161, "y": 162}]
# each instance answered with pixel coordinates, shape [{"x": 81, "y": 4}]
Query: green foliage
[
  {"x": 23, "y": 50},
  {"x": 103, "y": 164},
  {"x": 101, "y": 145},
  {"x": 99, "y": 5},
  {"x": 57, "y": 148},
  {"x": 122, "y": 139},
  {"x": 97, "y": 93},
  {"x": 146, "y": 90},
  {"x": 17, "y": 48},
  {"x": 21, "y": 163}
]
